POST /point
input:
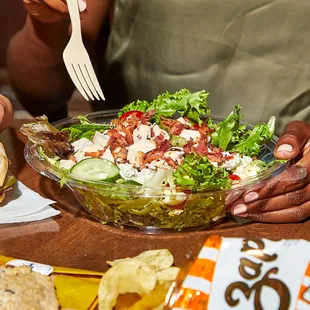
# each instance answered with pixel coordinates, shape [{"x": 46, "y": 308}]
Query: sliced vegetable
[
  {"x": 234, "y": 177},
  {"x": 96, "y": 169},
  {"x": 177, "y": 141}
]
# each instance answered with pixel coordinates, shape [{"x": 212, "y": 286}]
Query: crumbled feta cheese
[
  {"x": 128, "y": 172},
  {"x": 232, "y": 163}
]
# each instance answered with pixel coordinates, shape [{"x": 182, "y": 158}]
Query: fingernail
[
  {"x": 285, "y": 148},
  {"x": 239, "y": 209},
  {"x": 250, "y": 197},
  {"x": 82, "y": 5}
]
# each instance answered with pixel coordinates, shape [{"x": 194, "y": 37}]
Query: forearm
[{"x": 35, "y": 64}]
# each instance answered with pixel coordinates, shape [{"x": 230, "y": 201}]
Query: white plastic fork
[{"x": 77, "y": 60}]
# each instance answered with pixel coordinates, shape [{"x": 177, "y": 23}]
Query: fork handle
[{"x": 74, "y": 14}]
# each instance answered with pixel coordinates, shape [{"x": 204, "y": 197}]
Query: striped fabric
[
  {"x": 196, "y": 287},
  {"x": 303, "y": 302}
]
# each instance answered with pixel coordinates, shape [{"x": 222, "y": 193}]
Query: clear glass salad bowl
[{"x": 151, "y": 209}]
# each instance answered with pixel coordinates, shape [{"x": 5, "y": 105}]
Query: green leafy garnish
[
  {"x": 183, "y": 102},
  {"x": 260, "y": 134},
  {"x": 86, "y": 129},
  {"x": 227, "y": 130},
  {"x": 197, "y": 172}
]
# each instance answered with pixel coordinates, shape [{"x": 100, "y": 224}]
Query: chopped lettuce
[
  {"x": 182, "y": 102},
  {"x": 86, "y": 129},
  {"x": 197, "y": 172},
  {"x": 231, "y": 135},
  {"x": 228, "y": 130},
  {"x": 260, "y": 134}
]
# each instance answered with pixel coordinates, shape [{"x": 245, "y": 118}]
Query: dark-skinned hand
[{"x": 286, "y": 197}]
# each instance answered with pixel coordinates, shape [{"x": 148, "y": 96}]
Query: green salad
[{"x": 165, "y": 163}]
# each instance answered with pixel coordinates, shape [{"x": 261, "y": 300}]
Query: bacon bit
[
  {"x": 177, "y": 128},
  {"x": 159, "y": 139},
  {"x": 115, "y": 135},
  {"x": 189, "y": 147},
  {"x": 164, "y": 147},
  {"x": 97, "y": 154},
  {"x": 72, "y": 157},
  {"x": 140, "y": 159},
  {"x": 170, "y": 162},
  {"x": 147, "y": 116},
  {"x": 234, "y": 177},
  {"x": 228, "y": 157},
  {"x": 202, "y": 148},
  {"x": 119, "y": 153},
  {"x": 173, "y": 126}
]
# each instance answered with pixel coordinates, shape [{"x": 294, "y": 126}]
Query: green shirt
[{"x": 252, "y": 52}]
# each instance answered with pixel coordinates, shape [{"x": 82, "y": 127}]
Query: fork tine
[
  {"x": 77, "y": 69},
  {"x": 88, "y": 81},
  {"x": 93, "y": 77},
  {"x": 75, "y": 80}
]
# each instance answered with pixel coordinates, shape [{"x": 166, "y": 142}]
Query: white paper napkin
[{"x": 22, "y": 204}]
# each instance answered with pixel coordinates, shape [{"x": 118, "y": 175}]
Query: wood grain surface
[{"x": 73, "y": 239}]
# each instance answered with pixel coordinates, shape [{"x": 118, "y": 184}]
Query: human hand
[
  {"x": 49, "y": 11},
  {"x": 286, "y": 197},
  {"x": 6, "y": 112}
]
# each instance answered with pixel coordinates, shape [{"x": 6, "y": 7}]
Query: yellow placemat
[{"x": 76, "y": 288}]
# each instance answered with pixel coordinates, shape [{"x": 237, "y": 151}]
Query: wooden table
[{"x": 72, "y": 239}]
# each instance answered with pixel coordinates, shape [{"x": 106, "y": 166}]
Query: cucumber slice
[{"x": 96, "y": 169}]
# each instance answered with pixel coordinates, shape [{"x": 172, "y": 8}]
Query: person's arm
[
  {"x": 34, "y": 58},
  {"x": 6, "y": 112}
]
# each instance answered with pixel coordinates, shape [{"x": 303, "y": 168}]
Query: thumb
[{"x": 292, "y": 140}]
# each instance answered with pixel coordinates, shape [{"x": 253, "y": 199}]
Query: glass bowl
[{"x": 150, "y": 209}]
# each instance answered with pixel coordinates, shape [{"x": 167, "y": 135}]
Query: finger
[
  {"x": 281, "y": 202},
  {"x": 291, "y": 179},
  {"x": 294, "y": 137},
  {"x": 291, "y": 215},
  {"x": 42, "y": 11},
  {"x": 57, "y": 5}
]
